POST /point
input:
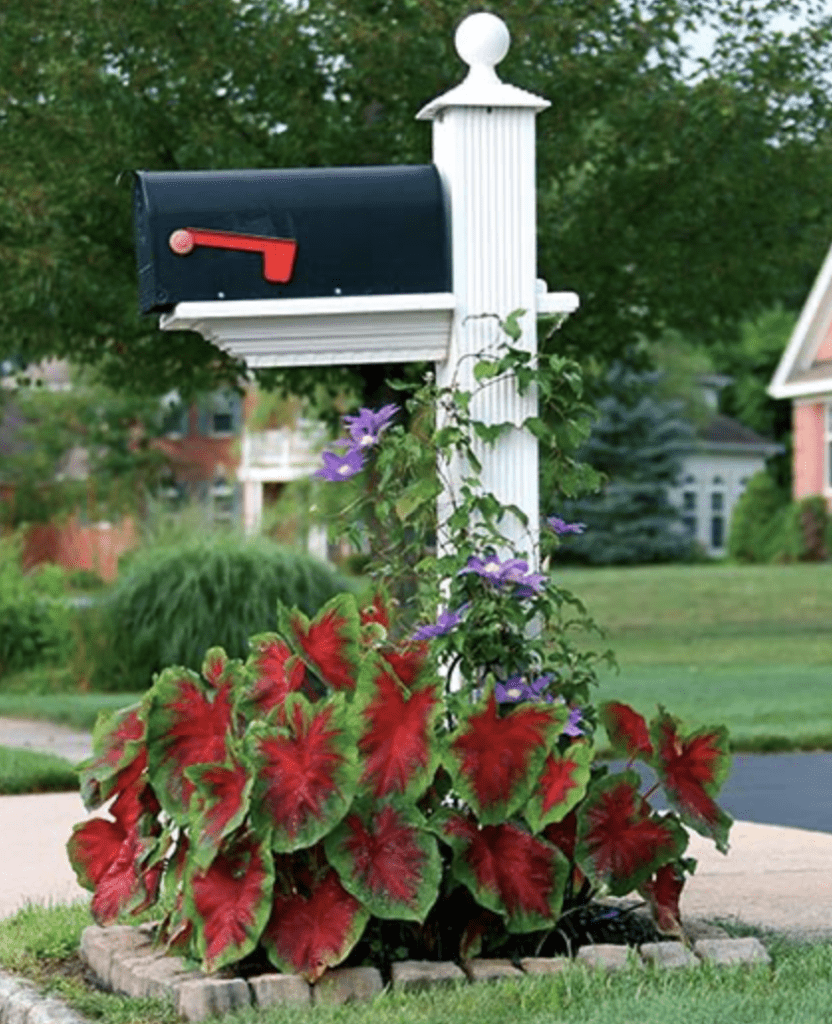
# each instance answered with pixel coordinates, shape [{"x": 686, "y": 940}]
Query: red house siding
[
  {"x": 809, "y": 449},
  {"x": 97, "y": 547}
]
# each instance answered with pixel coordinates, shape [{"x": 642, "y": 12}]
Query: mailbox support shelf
[{"x": 326, "y": 331}]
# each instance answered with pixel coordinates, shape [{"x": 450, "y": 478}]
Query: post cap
[{"x": 482, "y": 41}]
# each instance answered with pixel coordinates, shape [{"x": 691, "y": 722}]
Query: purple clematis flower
[
  {"x": 560, "y": 526},
  {"x": 572, "y": 728},
  {"x": 341, "y": 467},
  {"x": 537, "y": 687},
  {"x": 365, "y": 428},
  {"x": 447, "y": 621},
  {"x": 511, "y": 691},
  {"x": 516, "y": 689},
  {"x": 512, "y": 570},
  {"x": 489, "y": 568}
]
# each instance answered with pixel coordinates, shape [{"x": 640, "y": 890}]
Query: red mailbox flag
[{"x": 278, "y": 253}]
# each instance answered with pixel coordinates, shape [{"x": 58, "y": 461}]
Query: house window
[
  {"x": 689, "y": 512},
  {"x": 221, "y": 414},
  {"x": 174, "y": 416},
  {"x": 718, "y": 515}
]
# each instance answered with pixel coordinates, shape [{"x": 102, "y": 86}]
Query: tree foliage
[
  {"x": 673, "y": 189},
  {"x": 84, "y": 447}
]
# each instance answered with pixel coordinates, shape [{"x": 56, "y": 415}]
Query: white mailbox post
[{"x": 484, "y": 151}]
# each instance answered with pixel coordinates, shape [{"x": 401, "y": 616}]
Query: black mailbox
[{"x": 265, "y": 234}]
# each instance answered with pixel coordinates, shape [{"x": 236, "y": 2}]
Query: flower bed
[{"x": 394, "y": 779}]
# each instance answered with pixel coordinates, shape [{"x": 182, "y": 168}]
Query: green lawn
[
  {"x": 78, "y": 710},
  {"x": 42, "y": 944},
  {"x": 749, "y": 647},
  {"x": 26, "y": 771},
  {"x": 711, "y": 616}
]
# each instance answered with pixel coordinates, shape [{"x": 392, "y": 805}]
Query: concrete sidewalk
[{"x": 777, "y": 878}]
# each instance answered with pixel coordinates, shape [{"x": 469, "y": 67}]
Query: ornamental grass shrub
[{"x": 172, "y": 603}]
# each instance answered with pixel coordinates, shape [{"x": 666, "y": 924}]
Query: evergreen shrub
[
  {"x": 171, "y": 604},
  {"x": 758, "y": 523}
]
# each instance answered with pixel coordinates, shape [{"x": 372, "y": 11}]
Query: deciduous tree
[{"x": 674, "y": 190}]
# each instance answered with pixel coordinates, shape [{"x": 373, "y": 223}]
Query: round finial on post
[{"x": 482, "y": 40}]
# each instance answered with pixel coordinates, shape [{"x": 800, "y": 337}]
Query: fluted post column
[{"x": 484, "y": 149}]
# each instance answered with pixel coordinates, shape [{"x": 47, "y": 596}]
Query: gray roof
[{"x": 722, "y": 432}]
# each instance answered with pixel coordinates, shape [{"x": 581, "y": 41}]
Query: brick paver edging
[
  {"x": 21, "y": 1003},
  {"x": 124, "y": 960}
]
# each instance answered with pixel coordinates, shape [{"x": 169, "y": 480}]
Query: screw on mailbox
[{"x": 278, "y": 253}]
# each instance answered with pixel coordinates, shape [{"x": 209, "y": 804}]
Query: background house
[
  {"x": 217, "y": 456},
  {"x": 233, "y": 463},
  {"x": 715, "y": 473},
  {"x": 804, "y": 375}
]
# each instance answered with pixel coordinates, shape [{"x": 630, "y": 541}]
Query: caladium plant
[
  {"x": 260, "y": 810},
  {"x": 356, "y": 774}
]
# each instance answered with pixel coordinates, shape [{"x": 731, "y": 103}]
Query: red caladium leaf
[
  {"x": 663, "y": 892},
  {"x": 305, "y": 773},
  {"x": 508, "y": 870},
  {"x": 564, "y": 834},
  {"x": 407, "y": 662},
  {"x": 619, "y": 841},
  {"x": 136, "y": 799},
  {"x": 230, "y": 902},
  {"x": 117, "y": 740},
  {"x": 186, "y": 725},
  {"x": 330, "y": 642},
  {"x": 274, "y": 670},
  {"x": 126, "y": 887},
  {"x": 310, "y": 931},
  {"x": 106, "y": 859},
  {"x": 626, "y": 729},
  {"x": 561, "y": 784},
  {"x": 387, "y": 859},
  {"x": 218, "y": 806},
  {"x": 494, "y": 761},
  {"x": 215, "y": 666},
  {"x": 692, "y": 770},
  {"x": 92, "y": 848},
  {"x": 397, "y": 746}
]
